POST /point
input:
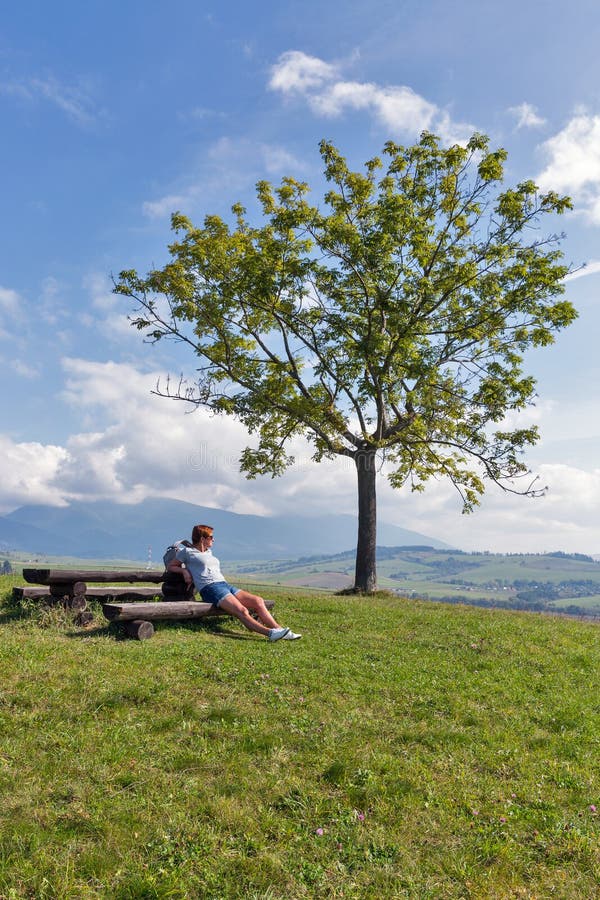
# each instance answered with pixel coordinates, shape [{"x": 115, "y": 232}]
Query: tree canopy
[{"x": 389, "y": 323}]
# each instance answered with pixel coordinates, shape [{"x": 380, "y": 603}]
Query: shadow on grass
[
  {"x": 12, "y": 615},
  {"x": 117, "y": 631},
  {"x": 107, "y": 630},
  {"x": 236, "y": 636},
  {"x": 207, "y": 625}
]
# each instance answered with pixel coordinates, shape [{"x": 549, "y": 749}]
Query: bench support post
[{"x": 139, "y": 629}]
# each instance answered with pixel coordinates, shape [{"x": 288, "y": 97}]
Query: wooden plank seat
[
  {"x": 183, "y": 609},
  {"x": 137, "y": 618},
  {"x": 93, "y": 592}
]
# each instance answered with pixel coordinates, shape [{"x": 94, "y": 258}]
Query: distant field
[
  {"x": 590, "y": 603},
  {"x": 334, "y": 581},
  {"x": 537, "y": 579}
]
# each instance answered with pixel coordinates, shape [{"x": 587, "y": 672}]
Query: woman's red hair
[{"x": 201, "y": 531}]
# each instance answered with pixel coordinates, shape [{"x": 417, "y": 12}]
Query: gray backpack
[
  {"x": 172, "y": 550},
  {"x": 174, "y": 587}
]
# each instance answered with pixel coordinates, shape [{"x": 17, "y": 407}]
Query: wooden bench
[
  {"x": 71, "y": 589},
  {"x": 70, "y": 586},
  {"x": 137, "y": 618}
]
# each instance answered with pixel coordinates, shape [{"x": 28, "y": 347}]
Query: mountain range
[{"x": 105, "y": 530}]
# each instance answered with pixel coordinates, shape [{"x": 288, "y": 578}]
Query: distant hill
[
  {"x": 537, "y": 582},
  {"x": 99, "y": 530}
]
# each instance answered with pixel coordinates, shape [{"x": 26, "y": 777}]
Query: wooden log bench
[
  {"x": 126, "y": 606},
  {"x": 137, "y": 618},
  {"x": 71, "y": 587}
]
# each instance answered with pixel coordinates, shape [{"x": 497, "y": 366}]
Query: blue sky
[{"x": 116, "y": 114}]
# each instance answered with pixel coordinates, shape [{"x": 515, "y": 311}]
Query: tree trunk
[{"x": 365, "y": 579}]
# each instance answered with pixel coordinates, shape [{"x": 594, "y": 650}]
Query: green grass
[{"x": 401, "y": 749}]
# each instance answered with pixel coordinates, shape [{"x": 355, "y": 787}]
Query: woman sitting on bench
[{"x": 198, "y": 566}]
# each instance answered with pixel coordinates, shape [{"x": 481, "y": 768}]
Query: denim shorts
[{"x": 214, "y": 593}]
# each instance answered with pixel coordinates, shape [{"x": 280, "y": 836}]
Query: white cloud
[
  {"x": 41, "y": 313},
  {"x": 11, "y": 311},
  {"x": 158, "y": 209},
  {"x": 245, "y": 156},
  {"x": 91, "y": 468},
  {"x": 24, "y": 369},
  {"x": 74, "y": 100},
  {"x": 527, "y": 116},
  {"x": 278, "y": 161},
  {"x": 10, "y": 301},
  {"x": 564, "y": 519},
  {"x": 102, "y": 384},
  {"x": 574, "y": 164},
  {"x": 70, "y": 99},
  {"x": 150, "y": 447},
  {"x": 201, "y": 113},
  {"x": 452, "y": 132},
  {"x": 100, "y": 290},
  {"x": 15, "y": 89},
  {"x": 51, "y": 306},
  {"x": 109, "y": 315},
  {"x": 239, "y": 163},
  {"x": 588, "y": 268},
  {"x": 398, "y": 107},
  {"x": 296, "y": 72},
  {"x": 572, "y": 492},
  {"x": 28, "y": 470}
]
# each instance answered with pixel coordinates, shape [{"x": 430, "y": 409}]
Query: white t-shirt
[{"x": 203, "y": 566}]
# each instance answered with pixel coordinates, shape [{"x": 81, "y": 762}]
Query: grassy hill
[
  {"x": 551, "y": 581},
  {"x": 401, "y": 749}
]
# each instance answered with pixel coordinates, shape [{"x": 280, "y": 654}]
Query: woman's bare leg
[
  {"x": 231, "y": 605},
  {"x": 257, "y": 605}
]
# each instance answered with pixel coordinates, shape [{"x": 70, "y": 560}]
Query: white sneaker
[
  {"x": 276, "y": 634},
  {"x": 291, "y": 636}
]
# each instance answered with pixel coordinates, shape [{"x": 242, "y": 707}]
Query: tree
[
  {"x": 6, "y": 567},
  {"x": 389, "y": 326}
]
